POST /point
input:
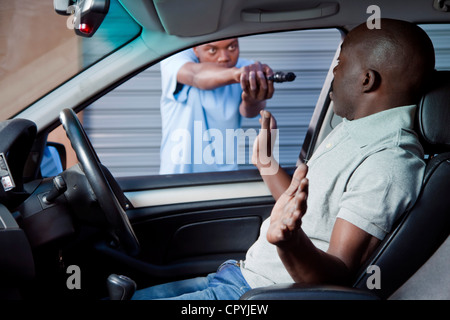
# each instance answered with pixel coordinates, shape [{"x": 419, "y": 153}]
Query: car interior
[{"x": 153, "y": 229}]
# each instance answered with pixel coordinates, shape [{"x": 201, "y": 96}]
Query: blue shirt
[{"x": 195, "y": 121}]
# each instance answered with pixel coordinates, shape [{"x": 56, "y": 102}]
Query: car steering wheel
[{"x": 107, "y": 199}]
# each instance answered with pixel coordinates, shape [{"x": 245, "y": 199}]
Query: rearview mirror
[{"x": 87, "y": 15}]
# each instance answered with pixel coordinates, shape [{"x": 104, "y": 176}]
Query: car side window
[
  {"x": 440, "y": 36},
  {"x": 125, "y": 124}
]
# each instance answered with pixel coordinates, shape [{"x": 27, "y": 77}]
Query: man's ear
[
  {"x": 371, "y": 81},
  {"x": 196, "y": 52}
]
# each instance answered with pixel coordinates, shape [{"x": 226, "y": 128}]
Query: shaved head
[
  {"x": 383, "y": 68},
  {"x": 400, "y": 51}
]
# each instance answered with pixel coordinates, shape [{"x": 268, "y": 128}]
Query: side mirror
[
  {"x": 88, "y": 15},
  {"x": 54, "y": 159}
]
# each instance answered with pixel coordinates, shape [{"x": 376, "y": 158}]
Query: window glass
[
  {"x": 440, "y": 36},
  {"x": 125, "y": 125},
  {"x": 39, "y": 51}
]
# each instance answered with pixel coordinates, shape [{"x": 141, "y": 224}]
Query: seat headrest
[{"x": 433, "y": 115}]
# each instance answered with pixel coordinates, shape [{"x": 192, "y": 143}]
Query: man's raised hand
[
  {"x": 286, "y": 216},
  {"x": 263, "y": 146}
]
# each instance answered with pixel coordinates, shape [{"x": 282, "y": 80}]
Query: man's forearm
[
  {"x": 301, "y": 258},
  {"x": 310, "y": 265},
  {"x": 278, "y": 182},
  {"x": 207, "y": 76}
]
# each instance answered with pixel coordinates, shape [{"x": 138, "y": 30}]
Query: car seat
[{"x": 417, "y": 235}]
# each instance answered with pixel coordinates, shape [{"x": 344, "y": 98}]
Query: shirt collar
[{"x": 381, "y": 124}]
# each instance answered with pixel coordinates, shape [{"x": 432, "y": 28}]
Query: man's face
[
  {"x": 347, "y": 76},
  {"x": 224, "y": 53}
]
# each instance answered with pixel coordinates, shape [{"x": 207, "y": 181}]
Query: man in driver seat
[{"x": 331, "y": 215}]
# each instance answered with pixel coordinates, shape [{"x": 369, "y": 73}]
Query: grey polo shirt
[{"x": 367, "y": 171}]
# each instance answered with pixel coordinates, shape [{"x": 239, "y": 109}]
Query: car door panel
[
  {"x": 199, "y": 234},
  {"x": 216, "y": 220}
]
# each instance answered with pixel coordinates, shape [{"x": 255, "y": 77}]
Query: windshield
[{"x": 39, "y": 51}]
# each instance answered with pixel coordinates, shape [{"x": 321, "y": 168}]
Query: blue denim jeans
[{"x": 227, "y": 283}]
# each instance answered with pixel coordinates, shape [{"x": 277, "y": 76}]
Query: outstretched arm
[
  {"x": 349, "y": 245},
  {"x": 207, "y": 75},
  {"x": 256, "y": 89}
]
